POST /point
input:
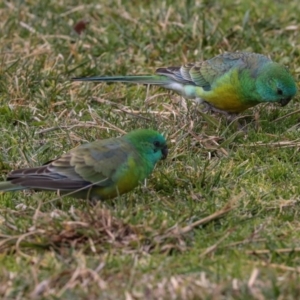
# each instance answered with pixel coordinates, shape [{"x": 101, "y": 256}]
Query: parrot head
[
  {"x": 275, "y": 84},
  {"x": 150, "y": 144}
]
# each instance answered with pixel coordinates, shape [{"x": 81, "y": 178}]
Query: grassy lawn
[{"x": 219, "y": 219}]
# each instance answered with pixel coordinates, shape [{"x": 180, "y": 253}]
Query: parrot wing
[
  {"x": 93, "y": 163},
  {"x": 205, "y": 73}
]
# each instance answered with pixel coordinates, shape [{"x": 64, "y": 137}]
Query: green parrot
[
  {"x": 229, "y": 82},
  {"x": 99, "y": 170}
]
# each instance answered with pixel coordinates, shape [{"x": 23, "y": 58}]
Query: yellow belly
[
  {"x": 129, "y": 179},
  {"x": 225, "y": 94}
]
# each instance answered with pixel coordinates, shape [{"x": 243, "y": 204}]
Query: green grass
[{"x": 244, "y": 186}]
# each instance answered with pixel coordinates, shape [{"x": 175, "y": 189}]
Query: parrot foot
[
  {"x": 230, "y": 117},
  {"x": 209, "y": 108}
]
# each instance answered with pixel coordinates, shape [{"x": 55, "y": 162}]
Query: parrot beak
[
  {"x": 285, "y": 101},
  {"x": 164, "y": 152}
]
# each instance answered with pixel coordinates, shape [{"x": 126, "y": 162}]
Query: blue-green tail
[
  {"x": 7, "y": 186},
  {"x": 147, "y": 79}
]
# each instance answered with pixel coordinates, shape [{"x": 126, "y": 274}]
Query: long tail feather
[
  {"x": 147, "y": 79},
  {"x": 8, "y": 186}
]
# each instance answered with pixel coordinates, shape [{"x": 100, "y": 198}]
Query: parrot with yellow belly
[{"x": 229, "y": 82}]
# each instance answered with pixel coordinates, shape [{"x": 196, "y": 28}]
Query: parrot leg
[
  {"x": 230, "y": 117},
  {"x": 210, "y": 108}
]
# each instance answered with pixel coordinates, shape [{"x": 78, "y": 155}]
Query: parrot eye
[
  {"x": 156, "y": 144},
  {"x": 279, "y": 91}
]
